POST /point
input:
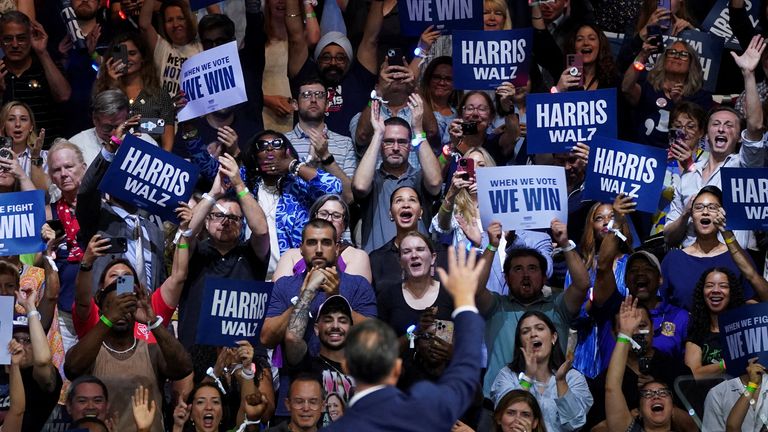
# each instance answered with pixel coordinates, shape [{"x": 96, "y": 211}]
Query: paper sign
[
  {"x": 745, "y": 197},
  {"x": 718, "y": 21},
  {"x": 557, "y": 121},
  {"x": 232, "y": 310},
  {"x": 149, "y": 177},
  {"x": 617, "y": 167},
  {"x": 22, "y": 215},
  {"x": 522, "y": 197},
  {"x": 445, "y": 15},
  {"x": 744, "y": 335},
  {"x": 6, "y": 327},
  {"x": 485, "y": 59},
  {"x": 212, "y": 80}
]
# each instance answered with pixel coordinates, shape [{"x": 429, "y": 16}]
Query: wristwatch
[
  {"x": 86, "y": 267},
  {"x": 329, "y": 160},
  {"x": 36, "y": 161}
]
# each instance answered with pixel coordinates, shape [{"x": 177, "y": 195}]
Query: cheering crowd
[{"x": 349, "y": 180}]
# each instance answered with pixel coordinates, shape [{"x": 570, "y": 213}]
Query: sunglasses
[{"x": 275, "y": 144}]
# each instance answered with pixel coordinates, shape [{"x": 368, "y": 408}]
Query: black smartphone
[
  {"x": 154, "y": 126},
  {"x": 395, "y": 57},
  {"x": 656, "y": 38},
  {"x": 469, "y": 128},
  {"x": 121, "y": 53},
  {"x": 6, "y": 143},
  {"x": 56, "y": 226},
  {"x": 117, "y": 245},
  {"x": 644, "y": 365}
]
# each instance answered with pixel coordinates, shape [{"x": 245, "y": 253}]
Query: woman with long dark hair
[
  {"x": 599, "y": 69},
  {"x": 518, "y": 411}
]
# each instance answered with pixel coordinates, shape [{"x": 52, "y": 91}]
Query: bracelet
[
  {"x": 209, "y": 198},
  {"x": 311, "y": 15},
  {"x": 182, "y": 246},
  {"x": 106, "y": 321},
  {"x": 418, "y": 139},
  {"x": 115, "y": 140},
  {"x": 243, "y": 192},
  {"x": 442, "y": 159},
  {"x": 293, "y": 15},
  {"x": 491, "y": 248},
  {"x": 95, "y": 56},
  {"x": 34, "y": 313},
  {"x": 445, "y": 209},
  {"x": 248, "y": 375},
  {"x": 730, "y": 240},
  {"x": 298, "y": 168},
  {"x": 293, "y": 167},
  {"x": 751, "y": 386},
  {"x": 622, "y": 339},
  {"x": 157, "y": 323}
]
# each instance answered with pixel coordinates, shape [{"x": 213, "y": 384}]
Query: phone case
[{"x": 444, "y": 330}]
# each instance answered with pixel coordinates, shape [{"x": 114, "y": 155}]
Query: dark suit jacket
[
  {"x": 427, "y": 406},
  {"x": 97, "y": 216}
]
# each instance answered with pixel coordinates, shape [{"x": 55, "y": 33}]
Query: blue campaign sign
[
  {"x": 617, "y": 166},
  {"x": 22, "y": 215},
  {"x": 445, "y": 15},
  {"x": 232, "y": 310},
  {"x": 718, "y": 21},
  {"x": 195, "y": 5},
  {"x": 149, "y": 177},
  {"x": 745, "y": 197},
  {"x": 557, "y": 121},
  {"x": 485, "y": 59},
  {"x": 744, "y": 335}
]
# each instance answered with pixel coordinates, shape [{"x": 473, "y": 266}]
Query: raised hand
[
  {"x": 629, "y": 316},
  {"x": 749, "y": 60},
  {"x": 144, "y": 409},
  {"x": 464, "y": 271}
]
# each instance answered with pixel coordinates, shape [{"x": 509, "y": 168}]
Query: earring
[
  {"x": 432, "y": 270},
  {"x": 391, "y": 218}
]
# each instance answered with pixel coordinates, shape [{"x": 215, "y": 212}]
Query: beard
[
  {"x": 332, "y": 75},
  {"x": 84, "y": 13}
]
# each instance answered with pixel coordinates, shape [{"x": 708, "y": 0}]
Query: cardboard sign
[
  {"x": 744, "y": 335},
  {"x": 232, "y": 310},
  {"x": 745, "y": 197},
  {"x": 718, "y": 21},
  {"x": 149, "y": 177},
  {"x": 485, "y": 59},
  {"x": 22, "y": 215},
  {"x": 212, "y": 80},
  {"x": 557, "y": 121},
  {"x": 522, "y": 197},
  {"x": 617, "y": 167},
  {"x": 445, "y": 15},
  {"x": 6, "y": 326}
]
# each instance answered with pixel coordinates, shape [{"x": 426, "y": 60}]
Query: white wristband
[
  {"x": 34, "y": 313},
  {"x": 209, "y": 198},
  {"x": 155, "y": 324}
]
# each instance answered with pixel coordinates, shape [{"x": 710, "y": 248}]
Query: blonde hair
[
  {"x": 63, "y": 144},
  {"x": 463, "y": 204},
  {"x": 693, "y": 82},
  {"x": 502, "y": 6},
  {"x": 5, "y": 112}
]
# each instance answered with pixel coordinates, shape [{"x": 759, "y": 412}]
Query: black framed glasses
[
  {"x": 683, "y": 55},
  {"x": 221, "y": 217},
  {"x": 650, "y": 394},
  {"x": 317, "y": 94}
]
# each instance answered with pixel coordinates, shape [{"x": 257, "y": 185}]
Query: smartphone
[
  {"x": 117, "y": 245},
  {"x": 656, "y": 38},
  {"x": 444, "y": 330},
  {"x": 125, "y": 284},
  {"x": 573, "y": 339},
  {"x": 675, "y": 135},
  {"x": 467, "y": 166},
  {"x": 395, "y": 57},
  {"x": 6, "y": 143},
  {"x": 644, "y": 365},
  {"x": 469, "y": 128},
  {"x": 56, "y": 226},
  {"x": 154, "y": 126},
  {"x": 121, "y": 53},
  {"x": 576, "y": 67},
  {"x": 665, "y": 23}
]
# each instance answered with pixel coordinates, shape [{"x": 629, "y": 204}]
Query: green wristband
[
  {"x": 243, "y": 193},
  {"x": 106, "y": 321}
]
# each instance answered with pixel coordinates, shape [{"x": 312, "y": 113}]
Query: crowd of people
[{"x": 345, "y": 181}]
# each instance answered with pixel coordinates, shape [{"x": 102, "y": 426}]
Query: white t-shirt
[
  {"x": 168, "y": 60},
  {"x": 90, "y": 144}
]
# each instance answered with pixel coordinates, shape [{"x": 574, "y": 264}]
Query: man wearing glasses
[
  {"x": 33, "y": 79},
  {"x": 315, "y": 142}
]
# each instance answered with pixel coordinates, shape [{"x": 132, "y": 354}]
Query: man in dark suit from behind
[{"x": 372, "y": 359}]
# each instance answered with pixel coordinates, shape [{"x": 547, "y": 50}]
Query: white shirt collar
[{"x": 365, "y": 393}]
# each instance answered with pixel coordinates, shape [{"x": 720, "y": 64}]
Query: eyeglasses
[
  {"x": 438, "y": 77},
  {"x": 23, "y": 340},
  {"x": 480, "y": 108},
  {"x": 324, "y": 214},
  {"x": 683, "y": 55},
  {"x": 698, "y": 208},
  {"x": 317, "y": 94},
  {"x": 338, "y": 58},
  {"x": 391, "y": 142},
  {"x": 21, "y": 39},
  {"x": 650, "y": 394},
  {"x": 221, "y": 217},
  {"x": 313, "y": 403},
  {"x": 275, "y": 144}
]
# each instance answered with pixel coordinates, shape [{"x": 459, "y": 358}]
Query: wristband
[
  {"x": 248, "y": 375},
  {"x": 638, "y": 66},
  {"x": 210, "y": 373},
  {"x": 115, "y": 140},
  {"x": 247, "y": 423},
  {"x": 525, "y": 382},
  {"x": 751, "y": 387},
  {"x": 182, "y": 246},
  {"x": 418, "y": 139},
  {"x": 621, "y": 337},
  {"x": 34, "y": 313},
  {"x": 491, "y": 248},
  {"x": 159, "y": 321},
  {"x": 294, "y": 15},
  {"x": 730, "y": 240},
  {"x": 571, "y": 246},
  {"x": 311, "y": 15},
  {"x": 411, "y": 336},
  {"x": 243, "y": 192},
  {"x": 554, "y": 89},
  {"x": 106, "y": 321},
  {"x": 209, "y": 198},
  {"x": 445, "y": 209}
]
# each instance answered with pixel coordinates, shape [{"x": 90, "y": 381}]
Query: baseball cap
[{"x": 335, "y": 303}]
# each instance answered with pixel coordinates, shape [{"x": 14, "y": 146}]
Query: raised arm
[
  {"x": 59, "y": 86},
  {"x": 15, "y": 415},
  {"x": 252, "y": 211},
  {"x": 362, "y": 182},
  {"x": 97, "y": 247},
  {"x": 295, "y": 346},
  {"x": 174, "y": 363},
  {"x": 43, "y": 370},
  {"x": 369, "y": 45},
  {"x": 145, "y": 24},
  {"x": 753, "y": 108},
  {"x": 741, "y": 258},
  {"x": 432, "y": 177},
  {"x": 297, "y": 42},
  {"x": 755, "y": 372},
  {"x": 173, "y": 286},
  {"x": 617, "y": 413},
  {"x": 577, "y": 292},
  {"x": 484, "y": 298},
  {"x": 605, "y": 280}
]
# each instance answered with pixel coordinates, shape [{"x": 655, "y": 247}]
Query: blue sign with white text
[
  {"x": 620, "y": 167},
  {"x": 745, "y": 197},
  {"x": 445, "y": 15},
  {"x": 149, "y": 177},
  {"x": 232, "y": 310},
  {"x": 744, "y": 335},
  {"x": 485, "y": 59},
  {"x": 22, "y": 215},
  {"x": 718, "y": 21},
  {"x": 557, "y": 121}
]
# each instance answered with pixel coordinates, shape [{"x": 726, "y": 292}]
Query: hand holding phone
[
  {"x": 117, "y": 245},
  {"x": 395, "y": 57},
  {"x": 467, "y": 166},
  {"x": 125, "y": 284},
  {"x": 576, "y": 67}
]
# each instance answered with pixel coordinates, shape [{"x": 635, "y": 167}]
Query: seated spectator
[
  {"x": 18, "y": 124},
  {"x": 88, "y": 397},
  {"x": 372, "y": 186},
  {"x": 284, "y": 186},
  {"x": 138, "y": 79},
  {"x": 351, "y": 259},
  {"x": 40, "y": 379},
  {"x": 724, "y": 134},
  {"x": 540, "y": 367},
  {"x": 304, "y": 403},
  {"x": 32, "y": 77},
  {"x": 707, "y": 251},
  {"x": 518, "y": 409},
  {"x": 406, "y": 209},
  {"x": 315, "y": 142},
  {"x": 111, "y": 352}
]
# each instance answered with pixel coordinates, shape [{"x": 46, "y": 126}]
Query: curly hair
[
  {"x": 701, "y": 317},
  {"x": 605, "y": 67}
]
